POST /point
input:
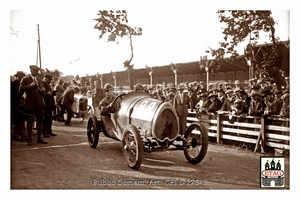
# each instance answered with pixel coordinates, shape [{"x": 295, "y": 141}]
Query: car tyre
[
  {"x": 132, "y": 146},
  {"x": 93, "y": 131},
  {"x": 196, "y": 143}
]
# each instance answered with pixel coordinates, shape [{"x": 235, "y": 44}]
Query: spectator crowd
[
  {"x": 261, "y": 97},
  {"x": 37, "y": 97},
  {"x": 37, "y": 100}
]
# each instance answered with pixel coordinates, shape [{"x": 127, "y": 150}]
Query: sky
[{"x": 69, "y": 43}]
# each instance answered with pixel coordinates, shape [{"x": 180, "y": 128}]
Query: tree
[
  {"x": 115, "y": 25},
  {"x": 243, "y": 24}
]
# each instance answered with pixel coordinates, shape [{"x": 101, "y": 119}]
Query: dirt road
[{"x": 67, "y": 162}]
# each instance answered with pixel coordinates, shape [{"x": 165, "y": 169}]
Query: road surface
[{"x": 67, "y": 162}]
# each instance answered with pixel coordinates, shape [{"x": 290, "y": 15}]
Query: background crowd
[
  {"x": 38, "y": 97},
  {"x": 260, "y": 97}
]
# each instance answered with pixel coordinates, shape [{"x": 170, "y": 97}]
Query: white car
[{"x": 82, "y": 105}]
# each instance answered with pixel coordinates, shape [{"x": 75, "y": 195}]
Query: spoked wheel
[
  {"x": 196, "y": 144},
  {"x": 132, "y": 146},
  {"x": 93, "y": 131}
]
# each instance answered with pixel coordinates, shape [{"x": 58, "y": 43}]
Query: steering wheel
[{"x": 119, "y": 96}]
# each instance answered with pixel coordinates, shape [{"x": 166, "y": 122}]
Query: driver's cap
[{"x": 108, "y": 86}]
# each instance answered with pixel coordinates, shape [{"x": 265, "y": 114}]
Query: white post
[
  {"x": 101, "y": 80},
  {"x": 175, "y": 72},
  {"x": 207, "y": 77},
  {"x": 150, "y": 74}
]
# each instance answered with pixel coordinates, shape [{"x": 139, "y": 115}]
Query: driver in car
[{"x": 106, "y": 106}]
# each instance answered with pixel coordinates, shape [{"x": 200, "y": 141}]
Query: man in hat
[
  {"x": 215, "y": 105},
  {"x": 49, "y": 106},
  {"x": 17, "y": 121},
  {"x": 33, "y": 106},
  {"x": 272, "y": 105},
  {"x": 246, "y": 101},
  {"x": 221, "y": 95},
  {"x": 236, "y": 109},
  {"x": 237, "y": 85},
  {"x": 97, "y": 94},
  {"x": 256, "y": 107},
  {"x": 287, "y": 83},
  {"x": 193, "y": 94},
  {"x": 58, "y": 97},
  {"x": 171, "y": 95},
  {"x": 202, "y": 88},
  {"x": 181, "y": 104},
  {"x": 201, "y": 102},
  {"x": 138, "y": 87},
  {"x": 263, "y": 84},
  {"x": 228, "y": 101},
  {"x": 67, "y": 102},
  {"x": 226, "y": 86},
  {"x": 285, "y": 109},
  {"x": 277, "y": 93}
]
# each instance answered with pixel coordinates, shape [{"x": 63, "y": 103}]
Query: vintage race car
[
  {"x": 82, "y": 105},
  {"x": 143, "y": 123}
]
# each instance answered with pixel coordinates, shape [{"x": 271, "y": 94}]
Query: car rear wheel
[
  {"x": 93, "y": 131},
  {"x": 132, "y": 146},
  {"x": 196, "y": 142}
]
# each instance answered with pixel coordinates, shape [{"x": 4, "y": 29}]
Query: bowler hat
[
  {"x": 20, "y": 73},
  {"x": 34, "y": 67}
]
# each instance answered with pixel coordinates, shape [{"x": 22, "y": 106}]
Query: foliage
[
  {"x": 243, "y": 24},
  {"x": 115, "y": 25}
]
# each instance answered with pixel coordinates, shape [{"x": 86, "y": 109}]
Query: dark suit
[
  {"x": 66, "y": 104},
  {"x": 17, "y": 121},
  {"x": 182, "y": 115},
  {"x": 49, "y": 107},
  {"x": 34, "y": 106}
]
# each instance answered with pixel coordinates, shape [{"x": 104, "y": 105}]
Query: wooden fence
[{"x": 271, "y": 131}]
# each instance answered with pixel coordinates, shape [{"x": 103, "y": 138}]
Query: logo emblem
[{"x": 272, "y": 172}]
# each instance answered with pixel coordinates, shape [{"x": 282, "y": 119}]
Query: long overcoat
[{"x": 34, "y": 102}]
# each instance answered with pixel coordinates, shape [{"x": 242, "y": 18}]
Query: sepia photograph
[{"x": 175, "y": 96}]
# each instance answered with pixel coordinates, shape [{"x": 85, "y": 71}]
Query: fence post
[
  {"x": 263, "y": 133},
  {"x": 219, "y": 130}
]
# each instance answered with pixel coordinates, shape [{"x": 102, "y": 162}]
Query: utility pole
[{"x": 39, "y": 47}]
